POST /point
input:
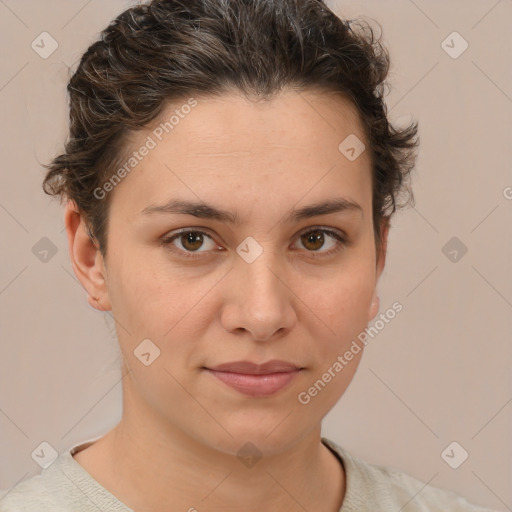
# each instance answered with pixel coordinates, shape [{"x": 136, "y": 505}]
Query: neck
[{"x": 149, "y": 465}]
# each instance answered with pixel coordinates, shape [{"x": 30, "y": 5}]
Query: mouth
[{"x": 256, "y": 380}]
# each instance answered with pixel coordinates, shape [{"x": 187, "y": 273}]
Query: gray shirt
[{"x": 65, "y": 486}]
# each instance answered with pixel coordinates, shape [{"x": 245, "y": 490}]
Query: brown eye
[
  {"x": 313, "y": 240},
  {"x": 322, "y": 242},
  {"x": 188, "y": 242},
  {"x": 191, "y": 240}
]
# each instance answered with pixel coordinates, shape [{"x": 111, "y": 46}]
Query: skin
[{"x": 177, "y": 442}]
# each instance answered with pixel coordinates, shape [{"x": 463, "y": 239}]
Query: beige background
[{"x": 439, "y": 372}]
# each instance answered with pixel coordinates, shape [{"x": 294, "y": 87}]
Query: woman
[{"x": 230, "y": 179}]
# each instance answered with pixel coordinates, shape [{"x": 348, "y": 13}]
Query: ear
[
  {"x": 381, "y": 260},
  {"x": 86, "y": 258}
]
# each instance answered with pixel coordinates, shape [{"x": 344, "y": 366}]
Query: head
[{"x": 249, "y": 109}]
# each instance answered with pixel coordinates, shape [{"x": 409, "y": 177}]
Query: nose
[{"x": 258, "y": 300}]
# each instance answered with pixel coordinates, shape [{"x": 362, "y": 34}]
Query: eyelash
[{"x": 167, "y": 240}]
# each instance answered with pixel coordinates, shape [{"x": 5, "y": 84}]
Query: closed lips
[{"x": 250, "y": 368}]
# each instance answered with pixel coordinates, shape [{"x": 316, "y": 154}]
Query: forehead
[
  {"x": 290, "y": 116},
  {"x": 226, "y": 144}
]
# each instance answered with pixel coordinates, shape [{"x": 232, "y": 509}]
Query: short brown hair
[{"x": 154, "y": 54}]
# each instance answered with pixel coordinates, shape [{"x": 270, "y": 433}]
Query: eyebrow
[{"x": 206, "y": 211}]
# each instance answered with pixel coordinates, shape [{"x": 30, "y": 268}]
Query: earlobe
[
  {"x": 374, "y": 306},
  {"x": 95, "y": 303},
  {"x": 86, "y": 259},
  {"x": 381, "y": 260}
]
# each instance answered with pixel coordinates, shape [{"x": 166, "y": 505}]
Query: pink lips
[{"x": 256, "y": 380}]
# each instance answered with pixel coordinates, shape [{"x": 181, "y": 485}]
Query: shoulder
[
  {"x": 377, "y": 487},
  {"x": 35, "y": 493},
  {"x": 63, "y": 486}
]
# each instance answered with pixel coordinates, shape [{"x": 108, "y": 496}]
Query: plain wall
[{"x": 438, "y": 372}]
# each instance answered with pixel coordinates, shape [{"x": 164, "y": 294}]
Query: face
[{"x": 272, "y": 279}]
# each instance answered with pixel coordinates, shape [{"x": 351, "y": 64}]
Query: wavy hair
[{"x": 152, "y": 55}]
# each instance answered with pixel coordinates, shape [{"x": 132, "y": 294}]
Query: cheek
[
  {"x": 150, "y": 306},
  {"x": 337, "y": 352},
  {"x": 343, "y": 301},
  {"x": 343, "y": 308},
  {"x": 169, "y": 308},
  {"x": 148, "y": 296}
]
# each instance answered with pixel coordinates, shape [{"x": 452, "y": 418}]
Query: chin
[{"x": 255, "y": 438}]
